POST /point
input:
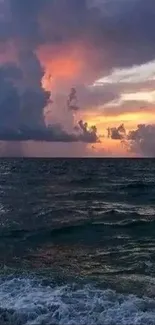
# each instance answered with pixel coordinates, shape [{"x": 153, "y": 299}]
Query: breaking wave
[{"x": 28, "y": 302}]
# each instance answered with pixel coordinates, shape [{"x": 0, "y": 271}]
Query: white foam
[{"x": 30, "y": 303}]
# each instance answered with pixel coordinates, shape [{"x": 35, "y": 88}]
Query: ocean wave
[
  {"x": 26, "y": 302},
  {"x": 140, "y": 185},
  {"x": 112, "y": 218},
  {"x": 78, "y": 227},
  {"x": 127, "y": 223}
]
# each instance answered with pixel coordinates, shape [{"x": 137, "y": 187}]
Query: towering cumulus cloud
[{"x": 57, "y": 45}]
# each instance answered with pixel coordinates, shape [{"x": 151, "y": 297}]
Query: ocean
[{"x": 77, "y": 242}]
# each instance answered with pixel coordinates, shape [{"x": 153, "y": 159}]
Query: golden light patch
[
  {"x": 109, "y": 147},
  {"x": 131, "y": 120},
  {"x": 147, "y": 96}
]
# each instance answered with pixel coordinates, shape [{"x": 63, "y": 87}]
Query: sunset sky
[{"x": 104, "y": 50}]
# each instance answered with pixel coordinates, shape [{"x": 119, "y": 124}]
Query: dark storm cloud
[
  {"x": 21, "y": 101},
  {"x": 54, "y": 133},
  {"x": 129, "y": 31},
  {"x": 121, "y": 31},
  {"x": 40, "y": 21},
  {"x": 22, "y": 97},
  {"x": 9, "y": 97},
  {"x": 21, "y": 21},
  {"x": 34, "y": 98}
]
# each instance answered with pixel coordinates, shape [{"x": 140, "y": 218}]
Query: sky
[{"x": 77, "y": 78}]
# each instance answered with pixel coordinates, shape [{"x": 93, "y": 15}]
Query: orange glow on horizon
[
  {"x": 131, "y": 120},
  {"x": 110, "y": 147}
]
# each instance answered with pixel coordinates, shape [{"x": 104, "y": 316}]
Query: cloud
[
  {"x": 96, "y": 97},
  {"x": 54, "y": 133},
  {"x": 117, "y": 133},
  {"x": 21, "y": 107},
  {"x": 139, "y": 141},
  {"x": 130, "y": 75},
  {"x": 131, "y": 89},
  {"x": 72, "y": 101},
  {"x": 100, "y": 27},
  {"x": 9, "y": 98},
  {"x": 24, "y": 24},
  {"x": 21, "y": 98},
  {"x": 122, "y": 91},
  {"x": 120, "y": 107},
  {"x": 142, "y": 140},
  {"x": 103, "y": 26},
  {"x": 88, "y": 134}
]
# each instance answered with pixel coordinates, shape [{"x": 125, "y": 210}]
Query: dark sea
[{"x": 77, "y": 242}]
